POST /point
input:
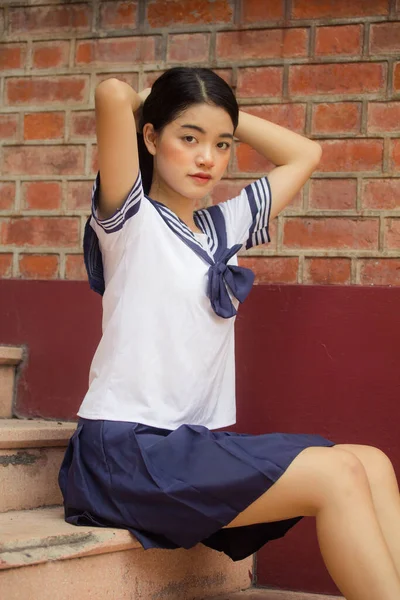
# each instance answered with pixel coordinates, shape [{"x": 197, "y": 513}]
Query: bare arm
[
  {"x": 296, "y": 157},
  {"x": 115, "y": 104}
]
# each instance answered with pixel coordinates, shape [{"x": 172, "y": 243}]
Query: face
[{"x": 192, "y": 152}]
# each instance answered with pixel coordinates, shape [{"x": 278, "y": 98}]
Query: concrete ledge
[
  {"x": 30, "y": 537},
  {"x": 11, "y": 355},
  {"x": 57, "y": 561},
  {"x": 35, "y": 433}
]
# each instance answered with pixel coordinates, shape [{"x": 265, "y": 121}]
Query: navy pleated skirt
[{"x": 174, "y": 489}]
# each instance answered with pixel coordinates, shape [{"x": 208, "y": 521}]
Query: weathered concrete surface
[
  {"x": 35, "y": 433},
  {"x": 29, "y": 478},
  {"x": 11, "y": 355},
  {"x": 33, "y": 536},
  {"x": 114, "y": 565},
  {"x": 10, "y": 358}
]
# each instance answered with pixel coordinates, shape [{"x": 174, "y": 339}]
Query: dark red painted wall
[{"x": 309, "y": 359}]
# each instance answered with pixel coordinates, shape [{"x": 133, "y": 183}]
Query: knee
[
  {"x": 377, "y": 464},
  {"x": 345, "y": 476}
]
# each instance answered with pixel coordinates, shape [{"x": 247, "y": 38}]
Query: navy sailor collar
[{"x": 222, "y": 277}]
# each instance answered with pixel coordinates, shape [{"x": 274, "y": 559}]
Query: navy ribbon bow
[{"x": 222, "y": 276}]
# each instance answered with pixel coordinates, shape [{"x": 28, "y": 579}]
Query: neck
[{"x": 179, "y": 205}]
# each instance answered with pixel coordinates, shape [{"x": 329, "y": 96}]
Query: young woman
[{"x": 146, "y": 455}]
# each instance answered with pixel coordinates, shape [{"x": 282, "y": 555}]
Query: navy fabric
[
  {"x": 222, "y": 277},
  {"x": 176, "y": 488}
]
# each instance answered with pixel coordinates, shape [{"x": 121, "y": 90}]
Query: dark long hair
[{"x": 172, "y": 93}]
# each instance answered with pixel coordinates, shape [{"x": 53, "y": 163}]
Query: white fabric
[{"x": 165, "y": 358}]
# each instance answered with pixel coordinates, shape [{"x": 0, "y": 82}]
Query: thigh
[{"x": 303, "y": 488}]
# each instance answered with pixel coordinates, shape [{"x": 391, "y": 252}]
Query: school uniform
[{"x": 145, "y": 455}]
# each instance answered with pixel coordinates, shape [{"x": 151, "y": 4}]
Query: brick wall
[{"x": 328, "y": 69}]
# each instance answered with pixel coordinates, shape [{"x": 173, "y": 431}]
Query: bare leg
[
  {"x": 333, "y": 487},
  {"x": 385, "y": 493}
]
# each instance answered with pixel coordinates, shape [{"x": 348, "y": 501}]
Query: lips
[{"x": 201, "y": 176}]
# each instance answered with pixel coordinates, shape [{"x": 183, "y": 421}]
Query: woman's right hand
[{"x": 143, "y": 95}]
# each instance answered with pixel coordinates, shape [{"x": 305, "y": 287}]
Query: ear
[{"x": 150, "y": 138}]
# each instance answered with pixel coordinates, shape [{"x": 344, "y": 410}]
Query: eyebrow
[{"x": 201, "y": 130}]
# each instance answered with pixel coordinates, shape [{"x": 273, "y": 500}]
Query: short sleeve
[
  {"x": 247, "y": 215},
  {"x": 104, "y": 240},
  {"x": 129, "y": 208}
]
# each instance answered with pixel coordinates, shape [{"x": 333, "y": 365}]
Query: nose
[{"x": 205, "y": 158}]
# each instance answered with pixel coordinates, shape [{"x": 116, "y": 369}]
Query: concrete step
[
  {"x": 31, "y": 452},
  {"x": 44, "y": 558},
  {"x": 267, "y": 594},
  {"x": 10, "y": 358}
]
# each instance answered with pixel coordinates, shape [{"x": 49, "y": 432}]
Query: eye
[
  {"x": 224, "y": 145},
  {"x": 190, "y": 139}
]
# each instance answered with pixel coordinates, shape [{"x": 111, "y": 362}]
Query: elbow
[{"x": 111, "y": 87}]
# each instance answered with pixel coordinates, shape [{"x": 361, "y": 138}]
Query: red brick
[
  {"x": 83, "y": 124},
  {"x": 172, "y": 13},
  {"x": 396, "y": 77},
  {"x": 259, "y": 82},
  {"x": 332, "y": 232},
  {"x": 344, "y": 39},
  {"x": 41, "y": 195},
  {"x": 383, "y": 116},
  {"x": 351, "y": 155},
  {"x": 326, "y": 271},
  {"x": 46, "y": 89},
  {"x": 291, "y": 116},
  {"x": 44, "y": 126},
  {"x": 395, "y": 154},
  {"x": 132, "y": 50},
  {"x": 272, "y": 269},
  {"x": 380, "y": 271},
  {"x": 117, "y": 15},
  {"x": 38, "y": 266},
  {"x": 8, "y": 127},
  {"x": 317, "y": 9},
  {"x": 7, "y": 195},
  {"x": 50, "y": 54},
  {"x": 6, "y": 261},
  {"x": 79, "y": 195},
  {"x": 75, "y": 267},
  {"x": 12, "y": 56},
  {"x": 41, "y": 231},
  {"x": 336, "y": 117},
  {"x": 43, "y": 160},
  {"x": 337, "y": 78},
  {"x": 254, "y": 11},
  {"x": 385, "y": 38},
  {"x": 131, "y": 78},
  {"x": 333, "y": 194},
  {"x": 250, "y": 161},
  {"x": 52, "y": 19},
  {"x": 94, "y": 160},
  {"x": 381, "y": 194},
  {"x": 265, "y": 43},
  {"x": 392, "y": 234},
  {"x": 188, "y": 47}
]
